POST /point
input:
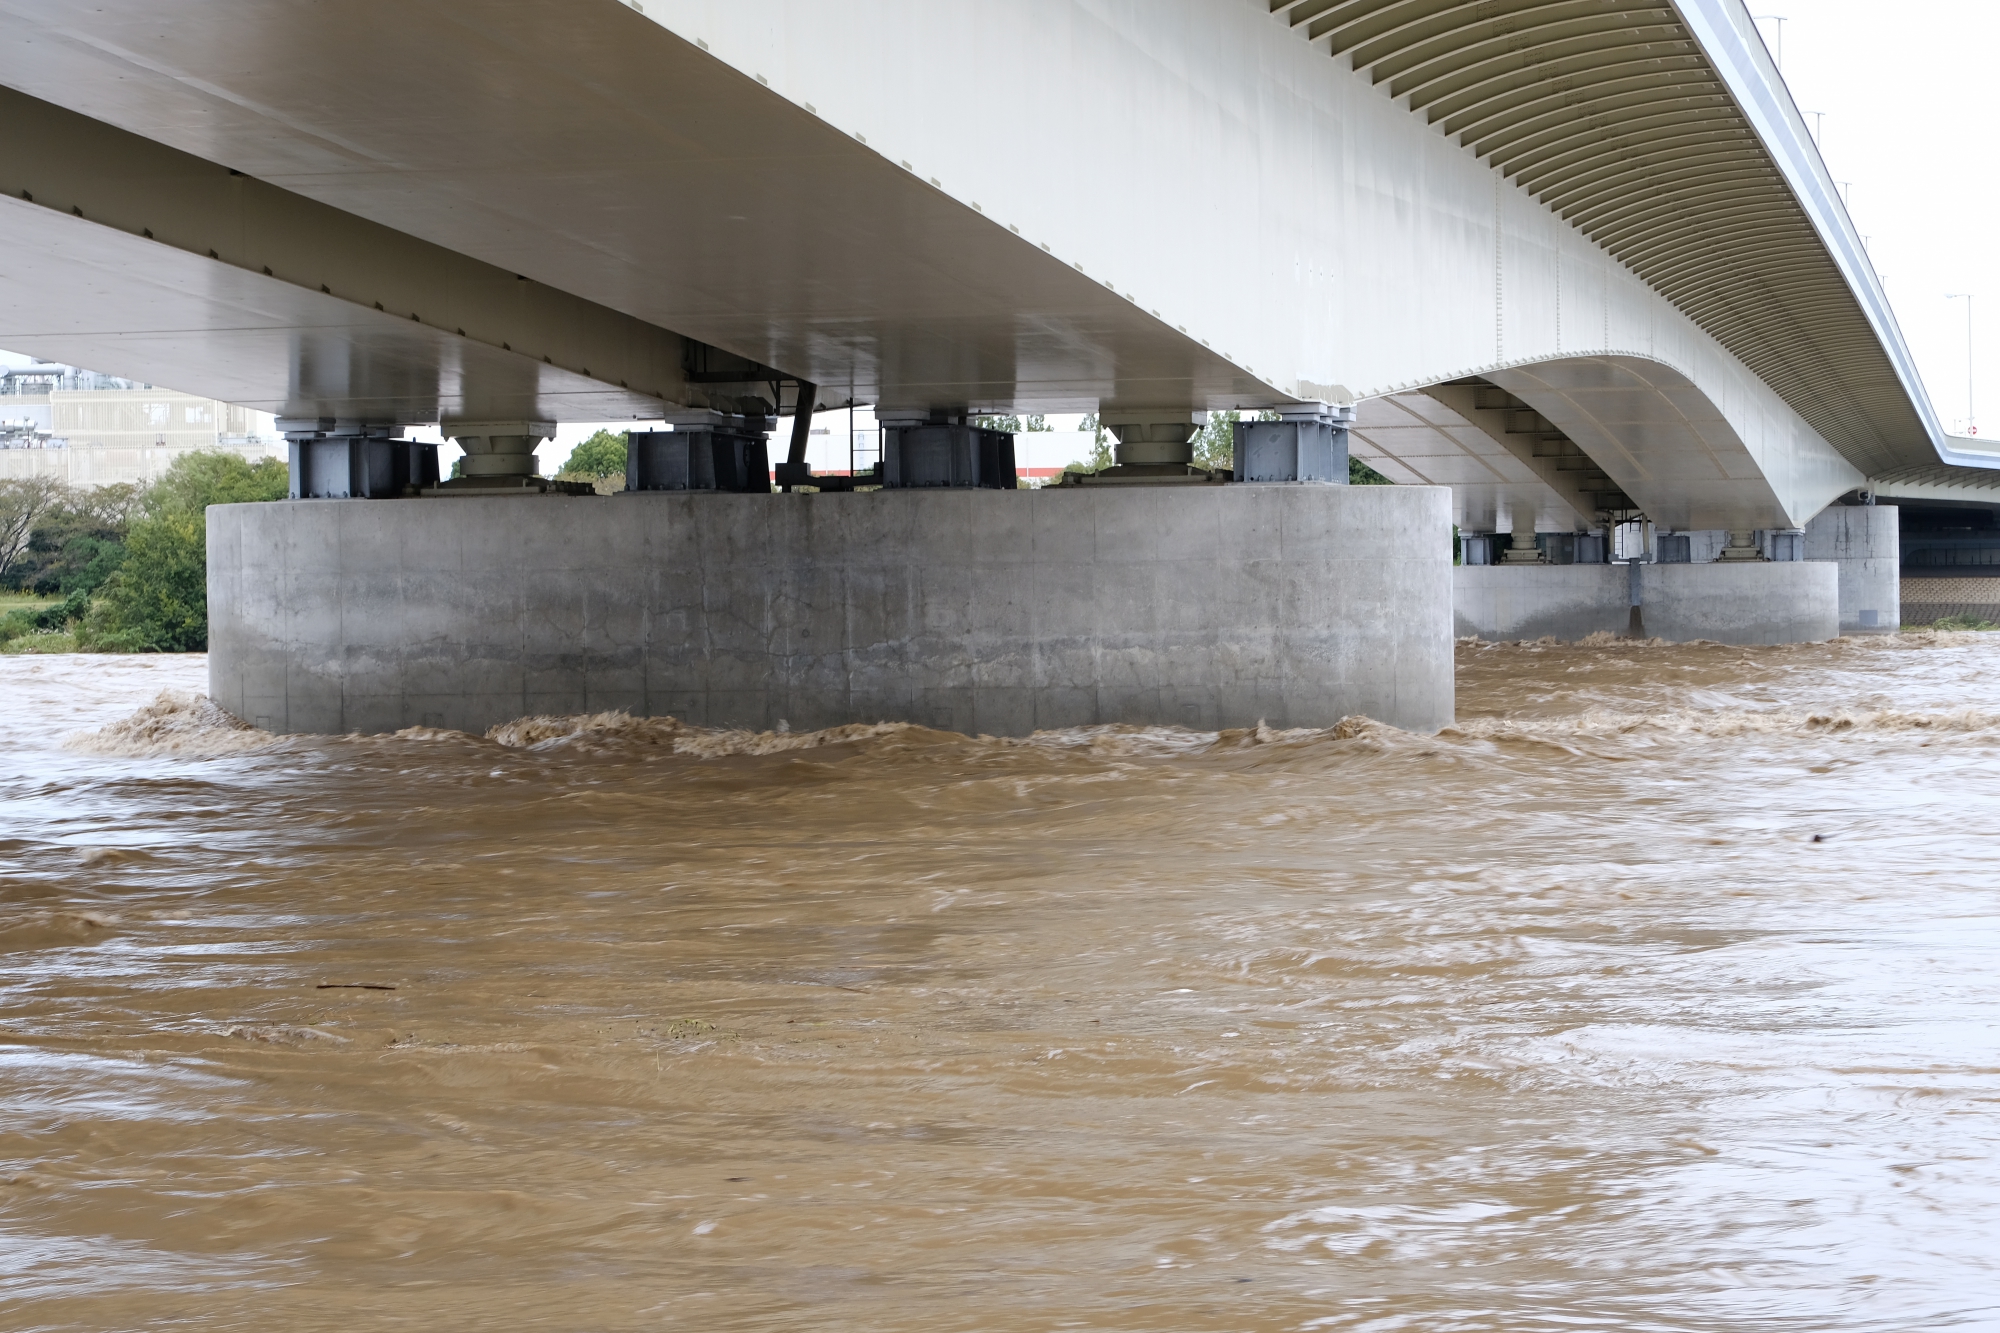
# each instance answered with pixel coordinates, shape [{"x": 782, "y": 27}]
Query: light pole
[
  {"x": 1778, "y": 19},
  {"x": 1971, "y": 423}
]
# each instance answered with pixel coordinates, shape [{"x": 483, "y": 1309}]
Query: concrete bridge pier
[
  {"x": 1864, "y": 542},
  {"x": 1841, "y": 575},
  {"x": 970, "y": 609},
  {"x": 1764, "y": 602}
]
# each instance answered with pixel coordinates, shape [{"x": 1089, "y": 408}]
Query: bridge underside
[
  {"x": 625, "y": 169},
  {"x": 699, "y": 174},
  {"x": 371, "y": 215},
  {"x": 1577, "y": 442}
]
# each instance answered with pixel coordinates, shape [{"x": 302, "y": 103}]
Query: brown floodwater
[{"x": 1658, "y": 994}]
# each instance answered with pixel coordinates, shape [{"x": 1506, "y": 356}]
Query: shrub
[
  {"x": 157, "y": 602},
  {"x": 81, "y": 541},
  {"x": 44, "y": 620},
  {"x": 156, "y": 598}
]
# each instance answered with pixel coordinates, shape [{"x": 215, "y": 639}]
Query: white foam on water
[{"x": 178, "y": 723}]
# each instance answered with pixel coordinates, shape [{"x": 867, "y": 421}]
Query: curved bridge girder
[{"x": 1609, "y": 426}]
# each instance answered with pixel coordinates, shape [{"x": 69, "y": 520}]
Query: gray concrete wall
[
  {"x": 978, "y": 611},
  {"x": 1568, "y": 602},
  {"x": 1751, "y": 603},
  {"x": 1794, "y": 601},
  {"x": 1865, "y": 542}
]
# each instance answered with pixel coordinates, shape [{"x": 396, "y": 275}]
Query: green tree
[
  {"x": 24, "y": 506},
  {"x": 1012, "y": 425},
  {"x": 195, "y": 481},
  {"x": 79, "y": 542},
  {"x": 1360, "y": 474},
  {"x": 1101, "y": 456},
  {"x": 156, "y": 600},
  {"x": 1215, "y": 443},
  {"x": 602, "y": 455}
]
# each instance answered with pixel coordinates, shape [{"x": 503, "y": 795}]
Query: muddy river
[{"x": 1658, "y": 994}]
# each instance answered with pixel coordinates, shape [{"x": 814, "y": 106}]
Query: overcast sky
[
  {"x": 1910, "y": 93},
  {"x": 1910, "y": 99}
]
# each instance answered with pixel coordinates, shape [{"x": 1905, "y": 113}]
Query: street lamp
[{"x": 1778, "y": 19}]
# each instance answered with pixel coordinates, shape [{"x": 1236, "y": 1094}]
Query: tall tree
[
  {"x": 157, "y": 600},
  {"x": 23, "y": 506},
  {"x": 602, "y": 455}
]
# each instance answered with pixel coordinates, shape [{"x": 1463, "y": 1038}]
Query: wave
[
  {"x": 1906, "y": 639},
  {"x": 619, "y": 729},
  {"x": 60, "y": 929},
  {"x": 179, "y": 724},
  {"x": 187, "y": 725},
  {"x": 596, "y": 729},
  {"x": 1605, "y": 723}
]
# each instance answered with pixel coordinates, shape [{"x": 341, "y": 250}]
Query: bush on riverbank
[{"x": 130, "y": 564}]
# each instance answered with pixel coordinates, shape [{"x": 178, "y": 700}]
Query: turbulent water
[{"x": 1659, "y": 994}]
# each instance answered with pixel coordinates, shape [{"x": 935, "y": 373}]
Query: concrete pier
[
  {"x": 1864, "y": 543},
  {"x": 999, "y": 612},
  {"x": 1749, "y": 603}
]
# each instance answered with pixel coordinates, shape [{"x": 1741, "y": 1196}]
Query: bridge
[{"x": 1570, "y": 269}]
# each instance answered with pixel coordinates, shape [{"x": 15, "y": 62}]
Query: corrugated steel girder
[{"x": 1612, "y": 114}]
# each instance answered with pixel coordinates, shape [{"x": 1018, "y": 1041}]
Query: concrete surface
[
  {"x": 1567, "y": 602},
  {"x": 1865, "y": 543},
  {"x": 1000, "y": 612},
  {"x": 1793, "y": 601},
  {"x": 1751, "y": 603}
]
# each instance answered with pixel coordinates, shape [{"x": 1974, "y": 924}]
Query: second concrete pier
[{"x": 1755, "y": 602}]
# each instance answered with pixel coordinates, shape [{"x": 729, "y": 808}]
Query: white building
[{"x": 93, "y": 430}]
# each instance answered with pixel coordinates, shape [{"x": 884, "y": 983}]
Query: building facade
[{"x": 95, "y": 430}]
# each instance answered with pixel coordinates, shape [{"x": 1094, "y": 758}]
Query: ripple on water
[{"x": 1653, "y": 994}]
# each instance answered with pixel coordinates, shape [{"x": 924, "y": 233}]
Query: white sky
[
  {"x": 1910, "y": 93},
  {"x": 1910, "y": 100}
]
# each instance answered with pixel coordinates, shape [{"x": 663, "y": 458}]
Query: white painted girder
[{"x": 836, "y": 190}]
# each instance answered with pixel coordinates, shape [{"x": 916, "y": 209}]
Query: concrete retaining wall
[
  {"x": 1750, "y": 603},
  {"x": 1925, "y": 601},
  {"x": 1864, "y": 541},
  {"x": 978, "y": 611}
]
